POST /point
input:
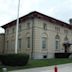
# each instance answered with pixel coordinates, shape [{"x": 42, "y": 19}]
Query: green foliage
[
  {"x": 62, "y": 55},
  {"x": 14, "y": 59},
  {"x": 48, "y": 62},
  {"x": 40, "y": 63}
]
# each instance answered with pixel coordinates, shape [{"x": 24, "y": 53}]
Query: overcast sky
[{"x": 59, "y": 9}]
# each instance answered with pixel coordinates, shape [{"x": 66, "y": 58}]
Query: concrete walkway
[{"x": 61, "y": 68}]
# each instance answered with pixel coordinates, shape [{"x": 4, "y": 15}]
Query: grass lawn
[{"x": 41, "y": 63}]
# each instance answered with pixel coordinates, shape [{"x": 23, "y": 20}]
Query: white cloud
[
  {"x": 60, "y": 9},
  {"x": 63, "y": 11}
]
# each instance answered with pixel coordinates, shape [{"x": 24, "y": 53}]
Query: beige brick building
[{"x": 39, "y": 35}]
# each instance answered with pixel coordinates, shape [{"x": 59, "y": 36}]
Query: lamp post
[{"x": 17, "y": 26}]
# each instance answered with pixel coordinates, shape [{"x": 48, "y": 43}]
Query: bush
[
  {"x": 62, "y": 55},
  {"x": 14, "y": 59}
]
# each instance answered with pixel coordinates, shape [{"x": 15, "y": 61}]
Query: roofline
[
  {"x": 38, "y": 15},
  {"x": 20, "y": 20}
]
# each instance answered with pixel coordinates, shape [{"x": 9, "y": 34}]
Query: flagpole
[{"x": 17, "y": 26}]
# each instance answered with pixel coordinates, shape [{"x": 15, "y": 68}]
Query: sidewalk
[{"x": 61, "y": 68}]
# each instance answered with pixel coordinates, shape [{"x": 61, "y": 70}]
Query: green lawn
[{"x": 41, "y": 63}]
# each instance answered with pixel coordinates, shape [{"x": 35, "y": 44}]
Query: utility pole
[{"x": 17, "y": 26}]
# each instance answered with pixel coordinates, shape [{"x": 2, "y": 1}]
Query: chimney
[{"x": 70, "y": 20}]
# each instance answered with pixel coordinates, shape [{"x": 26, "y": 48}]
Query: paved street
[{"x": 61, "y": 68}]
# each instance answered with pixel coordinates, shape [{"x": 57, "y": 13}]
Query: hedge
[
  {"x": 62, "y": 55},
  {"x": 14, "y": 59}
]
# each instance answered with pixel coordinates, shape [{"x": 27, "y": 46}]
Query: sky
[{"x": 59, "y": 9}]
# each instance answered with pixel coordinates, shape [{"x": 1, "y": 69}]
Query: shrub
[
  {"x": 62, "y": 55},
  {"x": 14, "y": 59}
]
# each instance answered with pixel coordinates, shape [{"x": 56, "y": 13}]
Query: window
[
  {"x": 57, "y": 42},
  {"x": 28, "y": 25},
  {"x": 12, "y": 44},
  {"x": 45, "y": 56},
  {"x": 13, "y": 30},
  {"x": 44, "y": 42},
  {"x": 19, "y": 43},
  {"x": 7, "y": 31},
  {"x": 7, "y": 44},
  {"x": 66, "y": 39},
  {"x": 66, "y": 32},
  {"x": 57, "y": 29},
  {"x": 45, "y": 26},
  {"x": 28, "y": 42},
  {"x": 20, "y": 28}
]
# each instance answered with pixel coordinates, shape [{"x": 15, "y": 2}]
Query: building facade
[
  {"x": 39, "y": 35},
  {"x": 2, "y": 40}
]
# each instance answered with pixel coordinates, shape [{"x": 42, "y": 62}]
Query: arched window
[
  {"x": 44, "y": 40},
  {"x": 57, "y": 42}
]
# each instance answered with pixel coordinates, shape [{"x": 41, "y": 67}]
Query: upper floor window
[
  {"x": 66, "y": 32},
  {"x": 7, "y": 31},
  {"x": 13, "y": 30},
  {"x": 19, "y": 27},
  {"x": 57, "y": 29},
  {"x": 66, "y": 39},
  {"x": 28, "y": 25},
  {"x": 45, "y": 26}
]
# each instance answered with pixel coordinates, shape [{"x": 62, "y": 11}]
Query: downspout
[{"x": 32, "y": 37}]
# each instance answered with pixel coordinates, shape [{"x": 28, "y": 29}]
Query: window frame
[
  {"x": 20, "y": 28},
  {"x": 28, "y": 42},
  {"x": 28, "y": 25},
  {"x": 57, "y": 42},
  {"x": 7, "y": 31},
  {"x": 66, "y": 31},
  {"x": 13, "y": 30},
  {"x": 19, "y": 43},
  {"x": 44, "y": 26},
  {"x": 57, "y": 29},
  {"x": 44, "y": 42}
]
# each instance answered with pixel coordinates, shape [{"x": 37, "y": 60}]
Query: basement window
[{"x": 45, "y": 56}]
